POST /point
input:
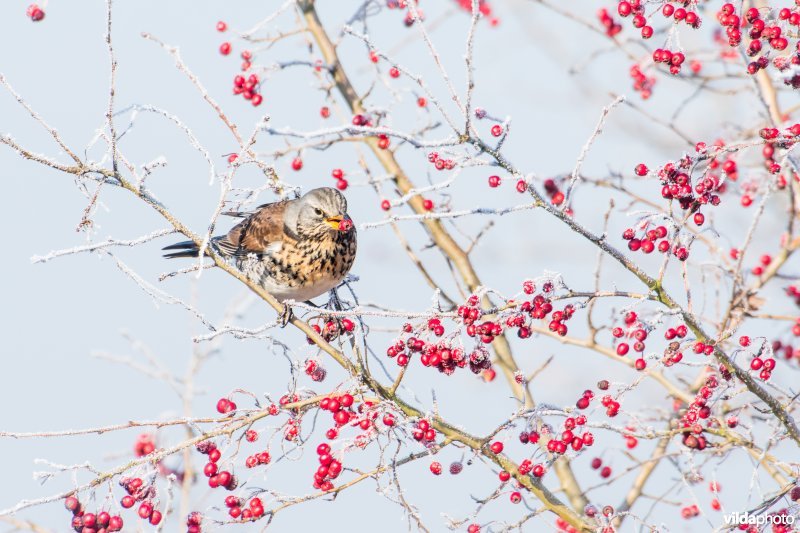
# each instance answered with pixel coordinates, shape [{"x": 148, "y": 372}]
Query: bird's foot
[
  {"x": 286, "y": 315},
  {"x": 334, "y": 302}
]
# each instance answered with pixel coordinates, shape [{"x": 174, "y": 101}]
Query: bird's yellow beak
[{"x": 334, "y": 222}]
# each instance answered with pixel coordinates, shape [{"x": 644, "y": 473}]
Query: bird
[{"x": 294, "y": 249}]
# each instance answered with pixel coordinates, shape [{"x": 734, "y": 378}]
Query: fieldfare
[{"x": 294, "y": 249}]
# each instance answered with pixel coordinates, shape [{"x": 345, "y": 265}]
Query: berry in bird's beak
[{"x": 346, "y": 224}]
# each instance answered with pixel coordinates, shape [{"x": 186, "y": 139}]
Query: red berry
[
  {"x": 744, "y": 340},
  {"x": 72, "y": 504},
  {"x": 155, "y": 518},
  {"x": 225, "y": 49},
  {"x": 221, "y": 26},
  {"x": 225, "y": 406},
  {"x": 145, "y": 510},
  {"x": 35, "y": 13}
]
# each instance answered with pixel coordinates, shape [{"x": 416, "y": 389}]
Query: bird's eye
[{"x": 318, "y": 211}]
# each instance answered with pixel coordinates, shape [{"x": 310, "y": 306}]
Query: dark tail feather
[{"x": 187, "y": 249}]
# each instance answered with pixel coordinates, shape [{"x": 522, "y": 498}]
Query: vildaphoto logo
[{"x": 737, "y": 519}]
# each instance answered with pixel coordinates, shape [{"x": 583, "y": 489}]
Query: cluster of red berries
[
  {"x": 383, "y": 141},
  {"x": 138, "y": 491},
  {"x": 642, "y": 83},
  {"x": 538, "y": 308},
  {"x": 611, "y": 405},
  {"x": 699, "y": 410},
  {"x": 363, "y": 417},
  {"x": 329, "y": 468},
  {"x": 440, "y": 355},
  {"x": 633, "y": 329},
  {"x": 225, "y": 406},
  {"x": 788, "y": 351},
  {"x": 315, "y": 370},
  {"x": 597, "y": 464},
  {"x": 558, "y": 444},
  {"x": 144, "y": 445},
  {"x": 360, "y": 119},
  {"x": 631, "y": 441},
  {"x": 530, "y": 436},
  {"x": 635, "y": 8},
  {"x": 673, "y": 59},
  {"x": 527, "y": 467},
  {"x": 552, "y": 190},
  {"x": 496, "y": 130},
  {"x": 256, "y": 459},
  {"x": 794, "y": 292},
  {"x": 338, "y": 175},
  {"x": 484, "y": 8},
  {"x": 627, "y": 8},
  {"x": 439, "y": 163},
  {"x": 216, "y": 477},
  {"x": 646, "y": 242},
  {"x": 35, "y": 13},
  {"x": 762, "y": 32},
  {"x": 486, "y": 331},
  {"x": 677, "y": 184},
  {"x": 409, "y": 19},
  {"x": 607, "y": 511},
  {"x": 690, "y": 511},
  {"x": 758, "y": 364},
  {"x": 782, "y": 522},
  {"x": 780, "y": 140},
  {"x": 728, "y": 167},
  {"x": 423, "y": 432},
  {"x": 248, "y": 88},
  {"x": 84, "y": 522},
  {"x": 764, "y": 261},
  {"x": 759, "y": 29},
  {"x": 339, "y": 407},
  {"x": 246, "y": 511},
  {"x": 194, "y": 522},
  {"x": 608, "y": 22},
  {"x": 672, "y": 353},
  {"x": 680, "y": 14},
  {"x": 332, "y": 328}
]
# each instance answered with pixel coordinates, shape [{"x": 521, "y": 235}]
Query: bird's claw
[{"x": 286, "y": 315}]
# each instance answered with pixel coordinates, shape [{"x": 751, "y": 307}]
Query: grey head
[{"x": 317, "y": 213}]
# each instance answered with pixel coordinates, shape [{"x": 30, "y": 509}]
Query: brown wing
[{"x": 255, "y": 233}]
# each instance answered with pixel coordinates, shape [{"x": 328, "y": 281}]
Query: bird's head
[{"x": 319, "y": 212}]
